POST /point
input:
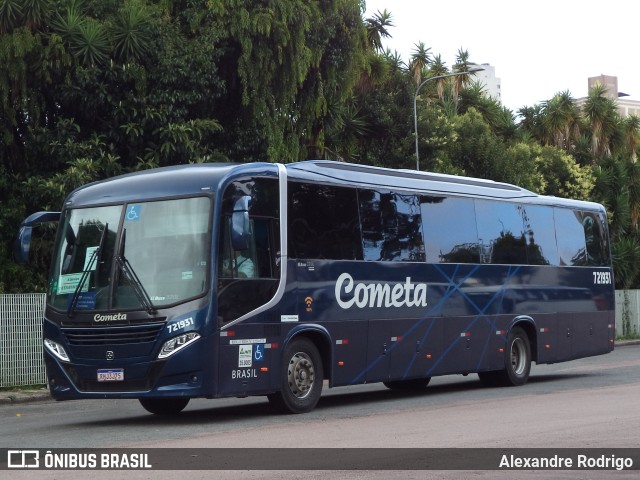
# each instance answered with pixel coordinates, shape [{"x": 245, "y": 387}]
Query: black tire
[
  {"x": 301, "y": 378},
  {"x": 517, "y": 362},
  {"x": 408, "y": 385},
  {"x": 164, "y": 406},
  {"x": 490, "y": 379}
]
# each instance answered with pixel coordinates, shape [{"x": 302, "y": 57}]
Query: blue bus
[{"x": 223, "y": 280}]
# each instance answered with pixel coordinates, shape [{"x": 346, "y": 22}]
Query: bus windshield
[{"x": 133, "y": 256}]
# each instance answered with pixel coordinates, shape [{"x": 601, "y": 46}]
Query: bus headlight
[
  {"x": 56, "y": 349},
  {"x": 177, "y": 343}
]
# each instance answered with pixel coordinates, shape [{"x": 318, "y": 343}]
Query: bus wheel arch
[
  {"x": 528, "y": 325},
  {"x": 518, "y": 356},
  {"x": 301, "y": 374}
]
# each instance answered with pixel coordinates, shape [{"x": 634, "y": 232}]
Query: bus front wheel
[
  {"x": 301, "y": 378},
  {"x": 164, "y": 406}
]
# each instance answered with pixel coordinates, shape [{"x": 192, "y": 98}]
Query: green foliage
[
  {"x": 131, "y": 32},
  {"x": 94, "y": 88},
  {"x": 626, "y": 261},
  {"x": 563, "y": 176},
  {"x": 289, "y": 58},
  {"x": 477, "y": 150}
]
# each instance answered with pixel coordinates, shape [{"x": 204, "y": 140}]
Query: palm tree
[
  {"x": 631, "y": 136},
  {"x": 561, "y": 121},
  {"x": 377, "y": 28},
  {"x": 130, "y": 32},
  {"x": 602, "y": 117},
  {"x": 420, "y": 61},
  {"x": 36, "y": 13},
  {"x": 376, "y": 72},
  {"x": 462, "y": 65},
  {"x": 437, "y": 69},
  {"x": 530, "y": 124},
  {"x": 11, "y": 14}
]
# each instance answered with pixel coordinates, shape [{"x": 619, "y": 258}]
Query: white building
[{"x": 487, "y": 78}]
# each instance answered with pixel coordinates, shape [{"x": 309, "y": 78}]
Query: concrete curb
[
  {"x": 10, "y": 397},
  {"x": 13, "y": 397}
]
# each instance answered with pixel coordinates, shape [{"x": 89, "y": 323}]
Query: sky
[{"x": 538, "y": 48}]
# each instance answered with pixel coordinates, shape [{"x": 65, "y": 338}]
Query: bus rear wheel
[
  {"x": 517, "y": 362},
  {"x": 164, "y": 406},
  {"x": 302, "y": 377}
]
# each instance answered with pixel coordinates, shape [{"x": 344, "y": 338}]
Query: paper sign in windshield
[
  {"x": 89, "y": 256},
  {"x": 68, "y": 283}
]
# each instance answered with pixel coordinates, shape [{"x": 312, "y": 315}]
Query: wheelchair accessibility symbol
[
  {"x": 258, "y": 355},
  {"x": 133, "y": 213}
]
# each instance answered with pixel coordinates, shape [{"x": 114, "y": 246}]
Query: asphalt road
[{"x": 593, "y": 402}]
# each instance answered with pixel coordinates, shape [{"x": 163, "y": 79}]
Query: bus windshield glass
[{"x": 134, "y": 256}]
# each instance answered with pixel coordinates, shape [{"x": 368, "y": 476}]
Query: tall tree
[
  {"x": 420, "y": 61},
  {"x": 285, "y": 59},
  {"x": 561, "y": 121},
  {"x": 602, "y": 118},
  {"x": 378, "y": 28}
]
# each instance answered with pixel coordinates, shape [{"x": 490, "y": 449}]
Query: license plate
[{"x": 111, "y": 375}]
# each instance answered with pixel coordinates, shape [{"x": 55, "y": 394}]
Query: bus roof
[
  {"x": 194, "y": 178},
  {"x": 412, "y": 180}
]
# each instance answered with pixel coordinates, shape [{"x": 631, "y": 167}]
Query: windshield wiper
[
  {"x": 93, "y": 259},
  {"x": 135, "y": 282}
]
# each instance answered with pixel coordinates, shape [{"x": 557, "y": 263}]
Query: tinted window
[
  {"x": 501, "y": 232},
  {"x": 450, "y": 231},
  {"x": 540, "y": 235},
  {"x": 247, "y": 278},
  {"x": 570, "y": 237},
  {"x": 323, "y": 222},
  {"x": 596, "y": 238},
  {"x": 391, "y": 226},
  {"x": 259, "y": 259},
  {"x": 582, "y": 238}
]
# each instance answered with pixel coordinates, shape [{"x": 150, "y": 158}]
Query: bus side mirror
[
  {"x": 22, "y": 244},
  {"x": 240, "y": 225}
]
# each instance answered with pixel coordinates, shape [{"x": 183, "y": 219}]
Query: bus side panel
[
  {"x": 590, "y": 334},
  {"x": 379, "y": 349},
  {"x": 417, "y": 345},
  {"x": 549, "y": 337},
  {"x": 583, "y": 334},
  {"x": 349, "y": 352},
  {"x": 249, "y": 355}
]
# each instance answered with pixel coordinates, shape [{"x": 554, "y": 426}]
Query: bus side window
[
  {"x": 247, "y": 278},
  {"x": 450, "y": 232},
  {"x": 595, "y": 239},
  {"x": 570, "y": 237},
  {"x": 391, "y": 226},
  {"x": 501, "y": 232},
  {"x": 323, "y": 222}
]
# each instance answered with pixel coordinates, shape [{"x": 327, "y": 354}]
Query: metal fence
[
  {"x": 628, "y": 313},
  {"x": 21, "y": 360}
]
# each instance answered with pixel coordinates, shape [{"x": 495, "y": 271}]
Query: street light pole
[{"x": 415, "y": 103}]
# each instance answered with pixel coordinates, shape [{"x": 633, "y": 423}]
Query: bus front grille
[{"x": 106, "y": 336}]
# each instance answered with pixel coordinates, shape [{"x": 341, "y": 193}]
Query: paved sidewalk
[{"x": 8, "y": 397}]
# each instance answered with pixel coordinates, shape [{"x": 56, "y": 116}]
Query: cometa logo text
[
  {"x": 377, "y": 295},
  {"x": 110, "y": 318}
]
